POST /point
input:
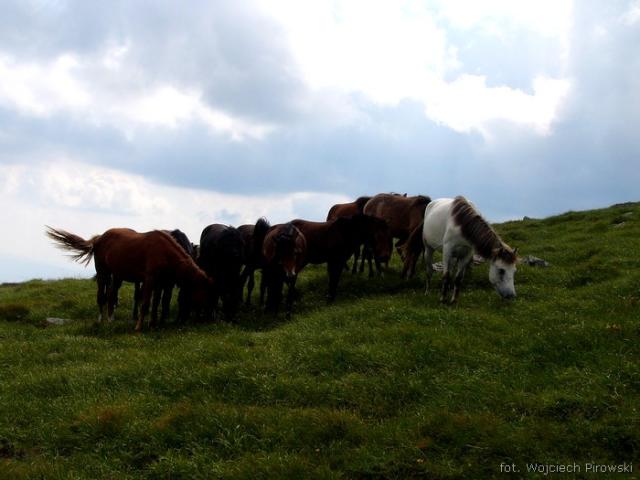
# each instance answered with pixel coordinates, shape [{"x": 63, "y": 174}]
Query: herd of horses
[{"x": 217, "y": 269}]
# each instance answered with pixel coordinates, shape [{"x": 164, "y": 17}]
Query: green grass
[{"x": 385, "y": 383}]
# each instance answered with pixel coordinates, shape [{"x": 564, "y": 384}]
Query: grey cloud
[{"x": 589, "y": 159}]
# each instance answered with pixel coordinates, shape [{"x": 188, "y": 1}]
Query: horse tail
[
  {"x": 259, "y": 232},
  {"x": 74, "y": 243},
  {"x": 411, "y": 250}
]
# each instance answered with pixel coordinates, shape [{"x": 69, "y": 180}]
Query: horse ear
[{"x": 515, "y": 251}]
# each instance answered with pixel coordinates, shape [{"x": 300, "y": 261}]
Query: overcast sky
[{"x": 166, "y": 114}]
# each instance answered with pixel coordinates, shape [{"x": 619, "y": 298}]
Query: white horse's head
[{"x": 502, "y": 271}]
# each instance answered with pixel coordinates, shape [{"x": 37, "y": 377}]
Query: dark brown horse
[
  {"x": 284, "y": 250},
  {"x": 403, "y": 214},
  {"x": 253, "y": 237},
  {"x": 347, "y": 210},
  {"x": 222, "y": 256},
  {"x": 153, "y": 258},
  {"x": 335, "y": 241}
]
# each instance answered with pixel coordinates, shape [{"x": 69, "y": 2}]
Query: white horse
[{"x": 454, "y": 225}]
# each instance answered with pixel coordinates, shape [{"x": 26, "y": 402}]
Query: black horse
[
  {"x": 253, "y": 236},
  {"x": 222, "y": 252},
  {"x": 181, "y": 238}
]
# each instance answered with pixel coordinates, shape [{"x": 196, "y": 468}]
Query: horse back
[
  {"x": 394, "y": 209},
  {"x": 438, "y": 222},
  {"x": 132, "y": 256}
]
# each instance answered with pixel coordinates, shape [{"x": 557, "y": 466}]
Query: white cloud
[
  {"x": 89, "y": 200},
  {"x": 468, "y": 104},
  {"x": 41, "y": 89},
  {"x": 632, "y": 15},
  {"x": 390, "y": 51},
  {"x": 101, "y": 92}
]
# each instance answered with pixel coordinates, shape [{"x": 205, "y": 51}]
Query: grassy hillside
[{"x": 386, "y": 383}]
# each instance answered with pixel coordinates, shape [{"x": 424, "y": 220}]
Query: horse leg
[
  {"x": 463, "y": 264},
  {"x": 363, "y": 258},
  {"x": 250, "y": 285},
  {"x": 102, "y": 280},
  {"x": 400, "y": 246},
  {"x": 166, "y": 303},
  {"x": 155, "y": 301},
  {"x": 112, "y": 296},
  {"x": 147, "y": 291},
  {"x": 370, "y": 261},
  {"x": 356, "y": 257},
  {"x": 335, "y": 270},
  {"x": 136, "y": 300},
  {"x": 291, "y": 293},
  {"x": 263, "y": 285},
  {"x": 428, "y": 260},
  {"x": 448, "y": 261}
]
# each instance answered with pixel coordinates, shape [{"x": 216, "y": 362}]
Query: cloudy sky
[{"x": 165, "y": 114}]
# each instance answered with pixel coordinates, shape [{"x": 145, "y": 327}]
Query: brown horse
[
  {"x": 166, "y": 294},
  {"x": 402, "y": 213},
  {"x": 347, "y": 209},
  {"x": 283, "y": 250},
  {"x": 335, "y": 241},
  {"x": 153, "y": 258}
]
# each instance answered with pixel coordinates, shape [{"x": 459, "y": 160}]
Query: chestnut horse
[
  {"x": 253, "y": 237},
  {"x": 188, "y": 247},
  {"x": 283, "y": 252},
  {"x": 153, "y": 258},
  {"x": 402, "y": 213},
  {"x": 335, "y": 241}
]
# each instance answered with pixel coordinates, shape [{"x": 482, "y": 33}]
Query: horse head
[
  {"x": 502, "y": 270},
  {"x": 290, "y": 249},
  {"x": 382, "y": 239}
]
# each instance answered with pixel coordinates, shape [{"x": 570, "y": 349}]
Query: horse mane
[
  {"x": 260, "y": 230},
  {"x": 361, "y": 202},
  {"x": 176, "y": 245},
  {"x": 420, "y": 200},
  {"x": 478, "y": 232}
]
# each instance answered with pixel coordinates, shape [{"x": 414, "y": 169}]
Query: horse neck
[
  {"x": 486, "y": 243},
  {"x": 186, "y": 271}
]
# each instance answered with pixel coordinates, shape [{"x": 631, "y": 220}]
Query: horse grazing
[
  {"x": 184, "y": 242},
  {"x": 402, "y": 213},
  {"x": 253, "y": 237},
  {"x": 283, "y": 250},
  {"x": 455, "y": 226},
  {"x": 347, "y": 210},
  {"x": 153, "y": 258},
  {"x": 335, "y": 241},
  {"x": 222, "y": 257}
]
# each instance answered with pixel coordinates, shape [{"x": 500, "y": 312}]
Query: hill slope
[{"x": 386, "y": 383}]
